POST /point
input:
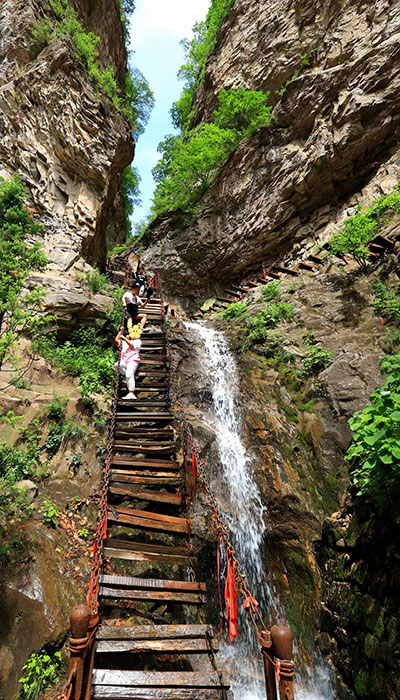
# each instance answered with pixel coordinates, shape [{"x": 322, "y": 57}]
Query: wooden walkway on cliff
[
  {"x": 314, "y": 261},
  {"x": 145, "y": 647}
]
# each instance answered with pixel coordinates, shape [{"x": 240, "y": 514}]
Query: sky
[{"x": 157, "y": 27}]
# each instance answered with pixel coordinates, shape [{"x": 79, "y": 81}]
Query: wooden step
[
  {"x": 154, "y": 632},
  {"x": 220, "y": 304},
  {"x": 240, "y": 288},
  {"x": 274, "y": 275},
  {"x": 157, "y": 646},
  {"x": 147, "y": 495},
  {"x": 149, "y": 463},
  {"x": 153, "y": 388},
  {"x": 139, "y": 551},
  {"x": 147, "y": 520},
  {"x": 150, "y": 583},
  {"x": 251, "y": 284},
  {"x": 225, "y": 299},
  {"x": 143, "y": 448},
  {"x": 160, "y": 679},
  {"x": 306, "y": 266},
  {"x": 287, "y": 270},
  {"x": 375, "y": 248},
  {"x": 145, "y": 416},
  {"x": 109, "y": 692},
  {"x": 136, "y": 404},
  {"x": 145, "y": 478},
  {"x": 384, "y": 241},
  {"x": 264, "y": 280},
  {"x": 232, "y": 292},
  {"x": 317, "y": 259}
]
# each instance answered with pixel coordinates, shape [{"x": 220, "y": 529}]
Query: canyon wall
[
  {"x": 69, "y": 145},
  {"x": 332, "y": 143}
]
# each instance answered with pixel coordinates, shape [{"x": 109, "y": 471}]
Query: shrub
[
  {"x": 269, "y": 316},
  {"x": 41, "y": 672},
  {"x": 50, "y": 512},
  {"x": 18, "y": 313},
  {"x": 271, "y": 291},
  {"x": 96, "y": 281},
  {"x": 387, "y": 302},
  {"x": 374, "y": 453},
  {"x": 316, "y": 359},
  {"x": 86, "y": 356},
  {"x": 56, "y": 409},
  {"x": 40, "y": 37},
  {"x": 233, "y": 310},
  {"x": 243, "y": 111}
]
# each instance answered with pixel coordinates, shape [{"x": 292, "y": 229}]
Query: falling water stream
[{"x": 243, "y": 510}]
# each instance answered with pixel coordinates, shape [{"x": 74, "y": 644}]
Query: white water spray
[{"x": 242, "y": 508}]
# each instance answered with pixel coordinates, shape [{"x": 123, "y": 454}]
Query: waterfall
[{"x": 243, "y": 510}]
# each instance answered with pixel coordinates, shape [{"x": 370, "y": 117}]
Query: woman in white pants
[{"x": 130, "y": 357}]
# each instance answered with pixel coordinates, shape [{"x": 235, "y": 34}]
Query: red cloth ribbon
[
  {"x": 250, "y": 602},
  {"x": 194, "y": 469},
  {"x": 231, "y": 599}
]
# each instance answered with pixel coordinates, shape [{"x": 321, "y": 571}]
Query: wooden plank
[
  {"x": 150, "y": 416},
  {"x": 134, "y": 582},
  {"x": 108, "y": 692},
  {"x": 143, "y": 555},
  {"x": 163, "y": 596},
  {"x": 143, "y": 495},
  {"x": 141, "y": 403},
  {"x": 131, "y": 446},
  {"x": 155, "y": 679},
  {"x": 145, "y": 547},
  {"x": 134, "y": 512},
  {"x": 154, "y": 646},
  {"x": 146, "y": 463},
  {"x": 145, "y": 478},
  {"x": 154, "y": 631},
  {"x": 148, "y": 523}
]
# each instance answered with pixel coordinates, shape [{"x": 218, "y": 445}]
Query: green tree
[
  {"x": 20, "y": 253},
  {"x": 138, "y": 101},
  {"x": 130, "y": 195},
  {"x": 189, "y": 168}
]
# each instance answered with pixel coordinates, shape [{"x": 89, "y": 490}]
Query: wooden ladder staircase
[{"x": 146, "y": 554}]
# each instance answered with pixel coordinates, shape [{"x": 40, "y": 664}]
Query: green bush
[
  {"x": 316, "y": 360},
  {"x": 17, "y": 464},
  {"x": 19, "y": 310},
  {"x": 387, "y": 302},
  {"x": 275, "y": 350},
  {"x": 269, "y": 316},
  {"x": 243, "y": 111},
  {"x": 40, "y": 37},
  {"x": 234, "y": 310},
  {"x": 49, "y": 512},
  {"x": 271, "y": 291},
  {"x": 57, "y": 408},
  {"x": 361, "y": 228},
  {"x": 41, "y": 672},
  {"x": 96, "y": 281},
  {"x": 374, "y": 453},
  {"x": 87, "y": 356}
]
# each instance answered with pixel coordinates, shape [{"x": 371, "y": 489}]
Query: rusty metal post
[
  {"x": 79, "y": 622},
  {"x": 269, "y": 669},
  {"x": 282, "y": 644}
]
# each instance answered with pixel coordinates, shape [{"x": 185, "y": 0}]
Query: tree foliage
[
  {"x": 189, "y": 162},
  {"x": 189, "y": 166},
  {"x": 20, "y": 253},
  {"x": 374, "y": 453},
  {"x": 197, "y": 51},
  {"x": 138, "y": 101}
]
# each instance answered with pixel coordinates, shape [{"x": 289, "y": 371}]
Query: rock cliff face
[
  {"x": 69, "y": 145},
  {"x": 333, "y": 143},
  {"x": 64, "y": 139}
]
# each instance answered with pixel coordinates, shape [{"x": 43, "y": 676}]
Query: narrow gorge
[{"x": 260, "y": 456}]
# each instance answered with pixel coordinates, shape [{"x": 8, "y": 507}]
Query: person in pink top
[{"x": 130, "y": 357}]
